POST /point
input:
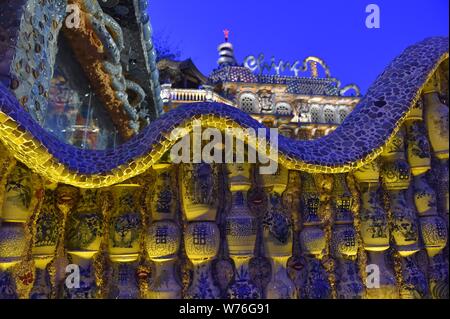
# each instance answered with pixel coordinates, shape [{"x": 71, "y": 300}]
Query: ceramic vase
[
  {"x": 198, "y": 191},
  {"x": 436, "y": 119},
  {"x": 163, "y": 201},
  {"x": 416, "y": 112},
  {"x": 395, "y": 149},
  {"x": 18, "y": 195},
  {"x": 415, "y": 285},
  {"x": 374, "y": 223},
  {"x": 162, "y": 244},
  {"x": 125, "y": 224},
  {"x": 83, "y": 236},
  {"x": 278, "y": 239},
  {"x": 7, "y": 286},
  {"x": 348, "y": 281},
  {"x": 44, "y": 245},
  {"x": 344, "y": 244},
  {"x": 380, "y": 282},
  {"x": 278, "y": 236},
  {"x": 312, "y": 235},
  {"x": 369, "y": 173},
  {"x": 241, "y": 231},
  {"x": 418, "y": 149},
  {"x": 434, "y": 234},
  {"x": 80, "y": 280},
  {"x": 396, "y": 174},
  {"x": 125, "y": 282},
  {"x": 84, "y": 226},
  {"x": 438, "y": 276},
  {"x": 425, "y": 197},
  {"x": 12, "y": 244},
  {"x": 201, "y": 242},
  {"x": 405, "y": 230},
  {"x": 42, "y": 286}
]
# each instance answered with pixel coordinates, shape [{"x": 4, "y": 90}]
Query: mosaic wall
[
  {"x": 368, "y": 201},
  {"x": 358, "y": 140},
  {"x": 35, "y": 53}
]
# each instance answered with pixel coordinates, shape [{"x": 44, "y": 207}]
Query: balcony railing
[{"x": 191, "y": 96}]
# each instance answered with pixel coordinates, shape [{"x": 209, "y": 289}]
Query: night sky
[{"x": 291, "y": 30}]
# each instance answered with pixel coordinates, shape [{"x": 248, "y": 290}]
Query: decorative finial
[
  {"x": 226, "y": 33},
  {"x": 226, "y": 51},
  {"x": 314, "y": 71}
]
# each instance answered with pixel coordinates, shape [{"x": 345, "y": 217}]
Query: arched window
[
  {"x": 315, "y": 114},
  {"x": 283, "y": 109},
  {"x": 329, "y": 116},
  {"x": 248, "y": 103},
  {"x": 343, "y": 112}
]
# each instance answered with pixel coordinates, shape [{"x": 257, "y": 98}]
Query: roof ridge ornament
[{"x": 254, "y": 63}]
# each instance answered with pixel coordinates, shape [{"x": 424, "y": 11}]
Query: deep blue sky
[{"x": 294, "y": 29}]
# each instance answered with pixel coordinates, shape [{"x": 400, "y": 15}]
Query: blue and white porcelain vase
[
  {"x": 436, "y": 119},
  {"x": 163, "y": 200},
  {"x": 162, "y": 244},
  {"x": 278, "y": 236},
  {"x": 344, "y": 244},
  {"x": 241, "y": 230},
  {"x": 198, "y": 191},
  {"x": 83, "y": 236},
  {"x": 18, "y": 195},
  {"x": 201, "y": 242},
  {"x": 418, "y": 147},
  {"x": 125, "y": 224},
  {"x": 374, "y": 222},
  {"x": 44, "y": 244},
  {"x": 405, "y": 229}
]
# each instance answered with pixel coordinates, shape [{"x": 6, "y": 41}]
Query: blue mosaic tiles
[{"x": 367, "y": 128}]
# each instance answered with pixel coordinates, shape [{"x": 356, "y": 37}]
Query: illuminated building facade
[
  {"x": 93, "y": 207},
  {"x": 306, "y": 106}
]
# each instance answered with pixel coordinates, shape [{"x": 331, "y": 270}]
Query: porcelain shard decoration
[
  {"x": 202, "y": 245},
  {"x": 163, "y": 242},
  {"x": 199, "y": 191},
  {"x": 18, "y": 195},
  {"x": 125, "y": 224},
  {"x": 89, "y": 193}
]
